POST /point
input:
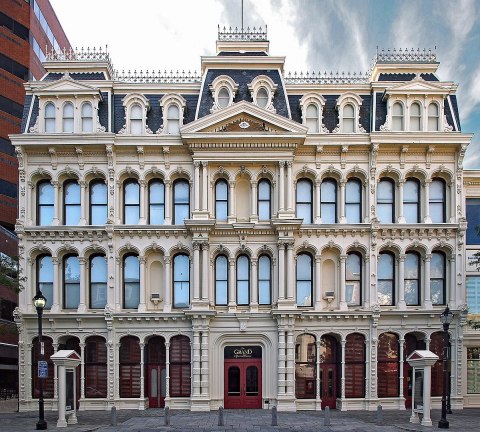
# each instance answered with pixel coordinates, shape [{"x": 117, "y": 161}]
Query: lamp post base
[
  {"x": 41, "y": 425},
  {"x": 443, "y": 424}
]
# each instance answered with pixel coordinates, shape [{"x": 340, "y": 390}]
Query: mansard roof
[{"x": 66, "y": 85}]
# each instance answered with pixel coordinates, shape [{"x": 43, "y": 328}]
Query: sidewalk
[{"x": 241, "y": 421}]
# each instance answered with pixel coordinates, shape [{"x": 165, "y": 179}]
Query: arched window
[
  {"x": 50, "y": 117},
  {"x": 45, "y": 203},
  {"x": 221, "y": 200},
  {"x": 136, "y": 119},
  {"x": 353, "y": 279},
  {"x": 328, "y": 204},
  {"x": 71, "y": 203},
  {"x": 388, "y": 365},
  {"x": 386, "y": 201},
  {"x": 353, "y": 201},
  {"x": 71, "y": 282},
  {"x": 98, "y": 202},
  {"x": 305, "y": 367},
  {"x": 180, "y": 367},
  {"x": 87, "y": 117},
  {"x": 386, "y": 279},
  {"x": 68, "y": 117},
  {"x": 156, "y": 202},
  {"x": 355, "y": 357},
  {"x": 45, "y": 278},
  {"x": 95, "y": 367},
  {"x": 304, "y": 282},
  {"x": 311, "y": 119},
  {"x": 49, "y": 382},
  {"x": 415, "y": 117},
  {"x": 130, "y": 367},
  {"x": 181, "y": 281},
  {"x": 411, "y": 201},
  {"x": 264, "y": 280},
  {"x": 243, "y": 280},
  {"x": 264, "y": 200},
  {"x": 438, "y": 288},
  {"x": 223, "y": 97},
  {"x": 98, "y": 276},
  {"x": 412, "y": 278},
  {"x": 397, "y": 117},
  {"x": 221, "y": 280},
  {"x": 131, "y": 282},
  {"x": 437, "y": 201},
  {"x": 181, "y": 201},
  {"x": 262, "y": 97},
  {"x": 433, "y": 117},
  {"x": 131, "y": 202},
  {"x": 173, "y": 119},
  {"x": 348, "y": 118},
  {"x": 305, "y": 201}
]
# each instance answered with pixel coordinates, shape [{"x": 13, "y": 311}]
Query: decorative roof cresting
[
  {"x": 82, "y": 54},
  {"x": 157, "y": 76},
  {"x": 406, "y": 55},
  {"x": 242, "y": 34},
  {"x": 327, "y": 78}
]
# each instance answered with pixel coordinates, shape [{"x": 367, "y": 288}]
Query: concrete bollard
[
  {"x": 326, "y": 416},
  {"x": 221, "y": 420},
  {"x": 113, "y": 416},
  {"x": 274, "y": 416},
  {"x": 379, "y": 415},
  {"x": 166, "y": 418}
]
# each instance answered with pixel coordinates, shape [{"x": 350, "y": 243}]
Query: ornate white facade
[{"x": 191, "y": 167}]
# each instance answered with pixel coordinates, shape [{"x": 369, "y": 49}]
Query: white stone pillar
[
  {"x": 254, "y": 216},
  {"x": 281, "y": 270},
  {"x": 318, "y": 400},
  {"x": 232, "y": 216},
  {"x": 232, "y": 300},
  {"x": 428, "y": 300},
  {"x": 426, "y": 186},
  {"x": 82, "y": 307},
  {"x": 254, "y": 285},
  {"x": 204, "y": 371},
  {"x": 142, "y": 307},
  {"x": 142, "y": 370},
  {"x": 453, "y": 205},
  {"x": 167, "y": 307},
  {"x": 427, "y": 382},
  {"x": 55, "y": 374},
  {"x": 401, "y": 282},
  {"x": 167, "y": 373},
  {"x": 318, "y": 282},
  {"x": 281, "y": 189},
  {"x": 116, "y": 347},
  {"x": 290, "y": 272},
  {"x": 168, "y": 202},
  {"x": 83, "y": 207},
  {"x": 401, "y": 361},
  {"x": 343, "y": 303},
  {"x": 401, "y": 217},
  {"x": 56, "y": 200},
  {"x": 289, "y": 186},
  {"x": 82, "y": 370},
  {"x": 281, "y": 382},
  {"x": 290, "y": 363},
  {"x": 196, "y": 271},
  {"x": 205, "y": 186},
  {"x": 62, "y": 390},
  {"x": 343, "y": 218},
  {"x": 142, "y": 184},
  {"x": 196, "y": 185},
  {"x": 452, "y": 289},
  {"x": 196, "y": 364},
  {"x": 56, "y": 285},
  {"x": 318, "y": 184},
  {"x": 205, "y": 272},
  {"x": 343, "y": 342},
  {"x": 117, "y": 289}
]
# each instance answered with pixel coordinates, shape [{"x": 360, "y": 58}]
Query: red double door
[{"x": 243, "y": 383}]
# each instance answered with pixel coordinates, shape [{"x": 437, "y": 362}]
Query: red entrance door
[
  {"x": 328, "y": 385},
  {"x": 243, "y": 383},
  {"x": 156, "y": 385}
]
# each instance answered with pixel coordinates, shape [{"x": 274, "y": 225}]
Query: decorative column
[
  {"x": 231, "y": 203},
  {"x": 142, "y": 184},
  {"x": 281, "y": 189},
  {"x": 401, "y": 217},
  {"x": 453, "y": 282},
  {"x": 83, "y": 188},
  {"x": 142, "y": 306},
  {"x": 142, "y": 373},
  {"x": 168, "y": 202},
  {"x": 373, "y": 364},
  {"x": 82, "y": 307},
  {"x": 55, "y": 374},
  {"x": 289, "y": 186},
  {"x": 281, "y": 271},
  {"x": 453, "y": 205},
  {"x": 318, "y": 400},
  {"x": 290, "y": 272},
  {"x": 118, "y": 278},
  {"x": 401, "y": 361},
  {"x": 118, "y": 203},
  {"x": 401, "y": 282},
  {"x": 281, "y": 383},
  {"x": 290, "y": 362},
  {"x": 343, "y": 342},
  {"x": 232, "y": 301},
  {"x": 428, "y": 300},
  {"x": 117, "y": 369},
  {"x": 318, "y": 184},
  {"x": 196, "y": 186},
  {"x": 167, "y": 373},
  {"x": 167, "y": 306},
  {"x": 254, "y": 285},
  {"x": 343, "y": 218},
  {"x": 205, "y": 186},
  {"x": 56, "y": 285},
  {"x": 426, "y": 186},
  {"x": 343, "y": 303},
  {"x": 196, "y": 364},
  {"x": 204, "y": 371},
  {"x": 56, "y": 208},
  {"x": 254, "y": 216},
  {"x": 318, "y": 282},
  {"x": 196, "y": 271},
  {"x": 205, "y": 272}
]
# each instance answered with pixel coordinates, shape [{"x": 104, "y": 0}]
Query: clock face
[{"x": 244, "y": 125}]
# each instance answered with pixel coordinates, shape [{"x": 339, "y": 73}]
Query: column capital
[
  {"x": 254, "y": 183},
  {"x": 167, "y": 259},
  {"x": 281, "y": 164},
  {"x": 290, "y": 244},
  {"x": 196, "y": 164},
  {"x": 167, "y": 182},
  {"x": 401, "y": 257},
  {"x": 82, "y": 260},
  {"x": 141, "y": 259},
  {"x": 253, "y": 262},
  {"x": 231, "y": 261},
  {"x": 289, "y": 164},
  {"x": 196, "y": 245},
  {"x": 318, "y": 258},
  {"x": 231, "y": 183},
  {"x": 205, "y": 164},
  {"x": 428, "y": 257},
  {"x": 343, "y": 258}
]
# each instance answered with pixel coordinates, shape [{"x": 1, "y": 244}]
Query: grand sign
[{"x": 243, "y": 352}]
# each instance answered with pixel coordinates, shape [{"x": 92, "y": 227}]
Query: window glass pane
[
  {"x": 71, "y": 279},
  {"x": 72, "y": 204},
  {"x": 87, "y": 118},
  {"x": 433, "y": 117},
  {"x": 181, "y": 202},
  {"x": 264, "y": 280},
  {"x": 136, "y": 112},
  {"x": 473, "y": 370},
  {"x": 49, "y": 118},
  {"x": 87, "y": 110},
  {"x": 385, "y": 266},
  {"x": 348, "y": 111},
  {"x": 72, "y": 193},
  {"x": 98, "y": 282},
  {"x": 181, "y": 278},
  {"x": 264, "y": 189},
  {"x": 98, "y": 193},
  {"x": 264, "y": 211},
  {"x": 353, "y": 196},
  {"x": 312, "y": 118},
  {"x": 385, "y": 201},
  {"x": 221, "y": 280},
  {"x": 223, "y": 97},
  {"x": 397, "y": 117},
  {"x": 68, "y": 117},
  {"x": 353, "y": 279},
  {"x": 437, "y": 201},
  {"x": 132, "y": 193},
  {"x": 221, "y": 190},
  {"x": 173, "y": 116},
  {"x": 304, "y": 191},
  {"x": 98, "y": 203},
  {"x": 45, "y": 191},
  {"x": 131, "y": 281},
  {"x": 473, "y": 218},
  {"x": 243, "y": 280},
  {"x": 304, "y": 280},
  {"x": 411, "y": 201},
  {"x": 45, "y": 215},
  {"x": 45, "y": 279},
  {"x": 262, "y": 97},
  {"x": 473, "y": 294},
  {"x": 157, "y": 202},
  {"x": 353, "y": 266},
  {"x": 329, "y": 191},
  {"x": 221, "y": 203}
]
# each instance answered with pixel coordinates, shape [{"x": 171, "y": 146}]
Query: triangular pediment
[
  {"x": 417, "y": 85},
  {"x": 244, "y": 118},
  {"x": 66, "y": 85}
]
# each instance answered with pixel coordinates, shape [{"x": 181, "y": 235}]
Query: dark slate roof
[
  {"x": 405, "y": 77},
  {"x": 242, "y": 78},
  {"x": 365, "y": 112},
  {"x": 237, "y": 54},
  {"x": 118, "y": 112},
  {"x": 295, "y": 109},
  {"x": 26, "y": 109},
  {"x": 448, "y": 112},
  {"x": 33, "y": 117},
  {"x": 103, "y": 111},
  {"x": 453, "y": 99},
  {"x": 381, "y": 114},
  {"x": 81, "y": 76}
]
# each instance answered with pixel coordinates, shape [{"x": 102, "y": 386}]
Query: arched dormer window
[
  {"x": 68, "y": 118},
  {"x": 223, "y": 89},
  {"x": 348, "y": 106},
  {"x": 262, "y": 90},
  {"x": 50, "y": 117},
  {"x": 87, "y": 117},
  {"x": 312, "y": 105},
  {"x": 397, "y": 117},
  {"x": 136, "y": 106},
  {"x": 415, "y": 117},
  {"x": 173, "y": 110},
  {"x": 433, "y": 117}
]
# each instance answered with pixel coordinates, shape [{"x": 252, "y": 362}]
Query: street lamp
[
  {"x": 446, "y": 318},
  {"x": 39, "y": 301}
]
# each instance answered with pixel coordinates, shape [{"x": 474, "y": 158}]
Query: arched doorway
[
  {"x": 305, "y": 367},
  {"x": 48, "y": 383},
  {"x": 355, "y": 356},
  {"x": 129, "y": 367},
  {"x": 156, "y": 372},
  {"x": 413, "y": 342},
  {"x": 388, "y": 384},
  {"x": 73, "y": 344},
  {"x": 329, "y": 371}
]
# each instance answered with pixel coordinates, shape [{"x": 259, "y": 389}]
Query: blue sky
[{"x": 314, "y": 35}]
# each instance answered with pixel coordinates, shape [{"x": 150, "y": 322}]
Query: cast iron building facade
[{"x": 244, "y": 237}]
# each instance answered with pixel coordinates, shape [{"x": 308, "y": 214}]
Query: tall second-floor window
[
  {"x": 243, "y": 280},
  {"x": 45, "y": 203},
  {"x": 328, "y": 204},
  {"x": 71, "y": 282},
  {"x": 221, "y": 200},
  {"x": 305, "y": 201},
  {"x": 264, "y": 280},
  {"x": 131, "y": 282},
  {"x": 264, "y": 200},
  {"x": 411, "y": 201},
  {"x": 49, "y": 117},
  {"x": 412, "y": 278},
  {"x": 438, "y": 287},
  {"x": 71, "y": 203},
  {"x": 221, "y": 280},
  {"x": 87, "y": 117},
  {"x": 304, "y": 280},
  {"x": 131, "y": 202},
  {"x": 156, "y": 202},
  {"x": 353, "y": 279},
  {"x": 45, "y": 278},
  {"x": 181, "y": 202},
  {"x": 181, "y": 281},
  {"x": 415, "y": 117},
  {"x": 68, "y": 117},
  {"x": 386, "y": 279},
  {"x": 98, "y": 277},
  {"x": 433, "y": 117},
  {"x": 353, "y": 201},
  {"x": 98, "y": 203},
  {"x": 386, "y": 201},
  {"x": 437, "y": 201}
]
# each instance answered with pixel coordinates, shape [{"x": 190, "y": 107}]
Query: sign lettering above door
[{"x": 243, "y": 352}]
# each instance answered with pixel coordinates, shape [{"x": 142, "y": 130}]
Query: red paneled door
[
  {"x": 243, "y": 383},
  {"x": 156, "y": 385},
  {"x": 328, "y": 385}
]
